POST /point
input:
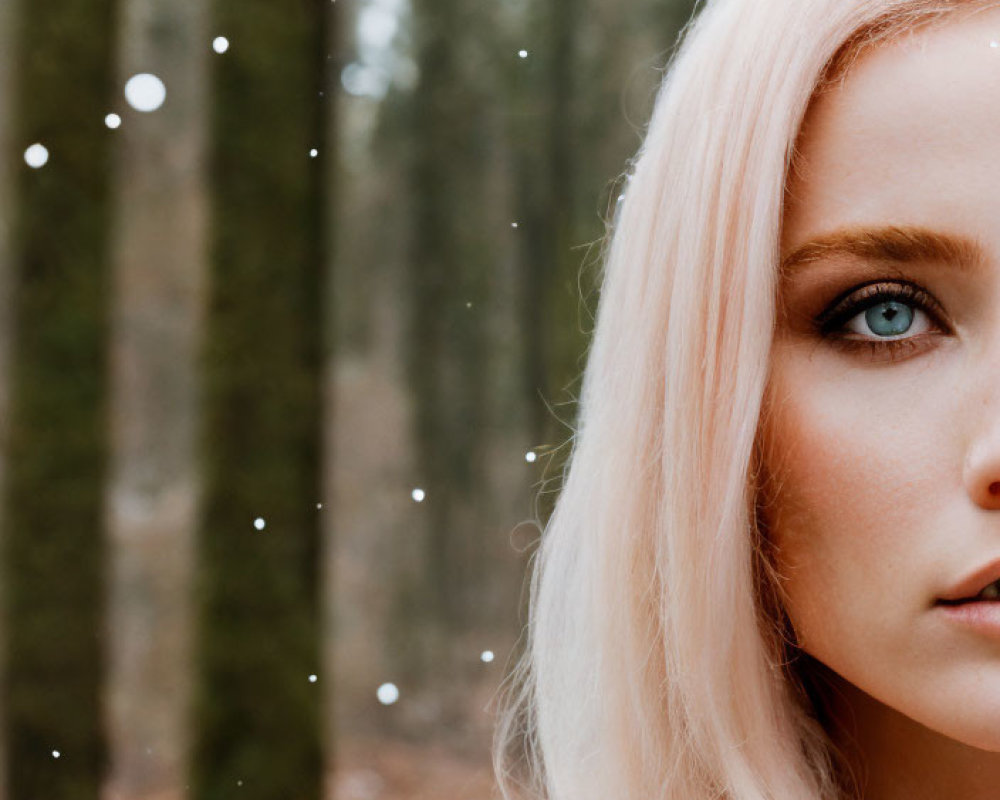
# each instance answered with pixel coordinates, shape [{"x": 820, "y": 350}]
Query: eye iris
[{"x": 889, "y": 318}]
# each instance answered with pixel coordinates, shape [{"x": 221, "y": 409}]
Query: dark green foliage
[
  {"x": 53, "y": 549},
  {"x": 257, "y": 719}
]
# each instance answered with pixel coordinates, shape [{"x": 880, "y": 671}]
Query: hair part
[{"x": 660, "y": 664}]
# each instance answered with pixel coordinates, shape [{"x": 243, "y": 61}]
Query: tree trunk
[
  {"x": 329, "y": 68},
  {"x": 53, "y": 545},
  {"x": 257, "y": 709},
  {"x": 9, "y": 48},
  {"x": 159, "y": 295}
]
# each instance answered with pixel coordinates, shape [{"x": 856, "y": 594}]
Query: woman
[{"x": 784, "y": 489}]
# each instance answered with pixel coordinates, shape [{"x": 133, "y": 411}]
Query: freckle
[{"x": 995, "y": 487}]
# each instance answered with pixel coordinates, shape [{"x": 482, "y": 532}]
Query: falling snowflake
[
  {"x": 36, "y": 156},
  {"x": 145, "y": 92},
  {"x": 387, "y": 694}
]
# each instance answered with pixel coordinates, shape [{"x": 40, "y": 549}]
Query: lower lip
[{"x": 982, "y": 616}]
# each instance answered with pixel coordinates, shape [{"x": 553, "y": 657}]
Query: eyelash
[{"x": 830, "y": 322}]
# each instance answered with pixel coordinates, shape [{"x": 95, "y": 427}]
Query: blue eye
[
  {"x": 877, "y": 311},
  {"x": 889, "y": 318}
]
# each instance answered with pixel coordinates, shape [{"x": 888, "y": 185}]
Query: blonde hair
[{"x": 659, "y": 662}]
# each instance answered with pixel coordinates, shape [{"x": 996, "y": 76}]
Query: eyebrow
[{"x": 899, "y": 243}]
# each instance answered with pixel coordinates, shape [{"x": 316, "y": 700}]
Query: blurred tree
[
  {"x": 451, "y": 600},
  {"x": 472, "y": 199},
  {"x": 257, "y": 712},
  {"x": 478, "y": 204},
  {"x": 160, "y": 258},
  {"x": 549, "y": 161},
  {"x": 9, "y": 49},
  {"x": 331, "y": 120},
  {"x": 53, "y": 551},
  {"x": 428, "y": 349},
  {"x": 583, "y": 110},
  {"x": 369, "y": 526}
]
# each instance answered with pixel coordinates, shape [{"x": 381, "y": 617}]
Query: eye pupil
[{"x": 889, "y": 318}]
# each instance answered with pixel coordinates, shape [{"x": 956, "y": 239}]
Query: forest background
[{"x": 289, "y": 358}]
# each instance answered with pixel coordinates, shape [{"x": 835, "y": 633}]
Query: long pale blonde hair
[{"x": 660, "y": 662}]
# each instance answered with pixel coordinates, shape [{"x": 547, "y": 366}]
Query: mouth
[
  {"x": 966, "y": 601},
  {"x": 982, "y": 585},
  {"x": 981, "y": 617}
]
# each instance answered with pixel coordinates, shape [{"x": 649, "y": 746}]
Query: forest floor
[{"x": 384, "y": 769}]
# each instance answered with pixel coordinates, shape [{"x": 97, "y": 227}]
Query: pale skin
[{"x": 886, "y": 458}]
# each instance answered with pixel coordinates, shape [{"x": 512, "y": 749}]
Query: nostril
[{"x": 995, "y": 487}]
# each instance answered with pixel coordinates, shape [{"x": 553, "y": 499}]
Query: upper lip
[{"x": 974, "y": 583}]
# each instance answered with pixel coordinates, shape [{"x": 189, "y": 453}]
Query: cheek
[{"x": 848, "y": 494}]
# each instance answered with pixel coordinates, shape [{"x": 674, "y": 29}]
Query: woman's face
[{"x": 883, "y": 451}]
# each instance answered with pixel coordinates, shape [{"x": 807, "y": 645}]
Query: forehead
[{"x": 910, "y": 136}]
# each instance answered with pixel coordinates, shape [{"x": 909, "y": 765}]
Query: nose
[
  {"x": 982, "y": 468},
  {"x": 981, "y": 412}
]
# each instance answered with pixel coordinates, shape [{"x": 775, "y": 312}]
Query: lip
[
  {"x": 974, "y": 583},
  {"x": 981, "y": 616}
]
